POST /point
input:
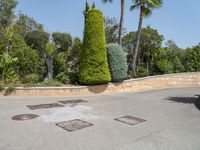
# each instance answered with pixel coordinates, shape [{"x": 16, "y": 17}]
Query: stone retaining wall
[{"x": 142, "y": 84}]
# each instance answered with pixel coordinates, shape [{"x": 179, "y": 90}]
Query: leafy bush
[
  {"x": 142, "y": 72},
  {"x": 117, "y": 62},
  {"x": 164, "y": 66},
  {"x": 74, "y": 77},
  {"x": 51, "y": 82},
  {"x": 93, "y": 58},
  {"x": 63, "y": 77},
  {"x": 192, "y": 59},
  {"x": 8, "y": 90},
  {"x": 177, "y": 65},
  {"x": 1, "y": 87},
  {"x": 31, "y": 78},
  {"x": 11, "y": 77}
]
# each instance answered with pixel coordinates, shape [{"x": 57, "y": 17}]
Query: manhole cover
[
  {"x": 73, "y": 101},
  {"x": 41, "y": 106},
  {"x": 24, "y": 117},
  {"x": 130, "y": 120},
  {"x": 74, "y": 125}
]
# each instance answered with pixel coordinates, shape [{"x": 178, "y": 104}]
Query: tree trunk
[
  {"x": 135, "y": 51},
  {"x": 49, "y": 62},
  {"x": 121, "y": 23}
]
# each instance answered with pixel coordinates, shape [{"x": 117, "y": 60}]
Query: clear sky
[{"x": 176, "y": 21}]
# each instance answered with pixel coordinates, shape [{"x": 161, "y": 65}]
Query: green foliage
[
  {"x": 93, "y": 59},
  {"x": 164, "y": 66},
  {"x": 150, "y": 43},
  {"x": 6, "y": 66},
  {"x": 6, "y": 13},
  {"x": 74, "y": 55},
  {"x": 147, "y": 6},
  {"x": 87, "y": 7},
  {"x": 192, "y": 59},
  {"x": 8, "y": 90},
  {"x": 50, "y": 82},
  {"x": 37, "y": 39},
  {"x": 74, "y": 77},
  {"x": 31, "y": 78},
  {"x": 11, "y": 77},
  {"x": 29, "y": 61},
  {"x": 63, "y": 77},
  {"x": 111, "y": 30},
  {"x": 62, "y": 40},
  {"x": 93, "y": 6},
  {"x": 142, "y": 72},
  {"x": 60, "y": 64},
  {"x": 25, "y": 24},
  {"x": 117, "y": 62},
  {"x": 175, "y": 56},
  {"x": 1, "y": 86}
]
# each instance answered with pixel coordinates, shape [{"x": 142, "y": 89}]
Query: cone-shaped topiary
[
  {"x": 117, "y": 62},
  {"x": 93, "y": 57}
]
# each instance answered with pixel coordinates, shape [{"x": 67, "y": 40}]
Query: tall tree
[
  {"x": 146, "y": 7},
  {"x": 121, "y": 20},
  {"x": 6, "y": 13},
  {"x": 38, "y": 40},
  {"x": 150, "y": 43},
  {"x": 111, "y": 29},
  {"x": 25, "y": 24}
]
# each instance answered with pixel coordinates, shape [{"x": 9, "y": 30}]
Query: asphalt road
[{"x": 172, "y": 122}]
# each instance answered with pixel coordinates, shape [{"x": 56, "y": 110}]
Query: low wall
[{"x": 133, "y": 85}]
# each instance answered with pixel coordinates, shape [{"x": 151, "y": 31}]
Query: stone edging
[{"x": 147, "y": 83}]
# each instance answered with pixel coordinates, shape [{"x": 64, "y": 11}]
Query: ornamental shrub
[
  {"x": 117, "y": 62},
  {"x": 93, "y": 58}
]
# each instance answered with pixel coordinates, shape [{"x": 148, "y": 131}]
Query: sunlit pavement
[{"x": 165, "y": 120}]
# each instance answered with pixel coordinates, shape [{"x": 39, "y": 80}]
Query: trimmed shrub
[
  {"x": 93, "y": 58},
  {"x": 117, "y": 62}
]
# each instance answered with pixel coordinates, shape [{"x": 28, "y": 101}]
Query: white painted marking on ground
[{"x": 69, "y": 113}]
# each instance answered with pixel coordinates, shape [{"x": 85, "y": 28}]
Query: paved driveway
[{"x": 172, "y": 122}]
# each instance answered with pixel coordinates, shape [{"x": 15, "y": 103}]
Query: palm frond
[
  {"x": 105, "y": 1},
  {"x": 154, "y": 3},
  {"x": 146, "y": 12},
  {"x": 134, "y": 7}
]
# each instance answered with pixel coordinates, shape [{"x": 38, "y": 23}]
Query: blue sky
[{"x": 176, "y": 21}]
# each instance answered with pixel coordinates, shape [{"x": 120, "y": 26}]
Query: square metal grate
[
  {"x": 74, "y": 125},
  {"x": 76, "y": 101},
  {"x": 42, "y": 106},
  {"x": 130, "y": 120}
]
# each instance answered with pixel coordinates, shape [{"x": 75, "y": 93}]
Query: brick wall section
[{"x": 133, "y": 85}]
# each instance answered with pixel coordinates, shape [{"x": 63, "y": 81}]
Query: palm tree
[
  {"x": 121, "y": 20},
  {"x": 146, "y": 7}
]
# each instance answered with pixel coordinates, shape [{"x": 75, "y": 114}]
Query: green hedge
[
  {"x": 93, "y": 59},
  {"x": 117, "y": 62}
]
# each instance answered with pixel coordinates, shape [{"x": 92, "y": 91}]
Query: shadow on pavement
[{"x": 186, "y": 100}]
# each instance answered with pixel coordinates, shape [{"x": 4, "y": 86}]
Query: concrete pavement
[{"x": 172, "y": 122}]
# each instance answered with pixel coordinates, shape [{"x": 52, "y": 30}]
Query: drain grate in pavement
[
  {"x": 41, "y": 106},
  {"x": 130, "y": 120},
  {"x": 73, "y": 101},
  {"x": 24, "y": 117},
  {"x": 74, "y": 125}
]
